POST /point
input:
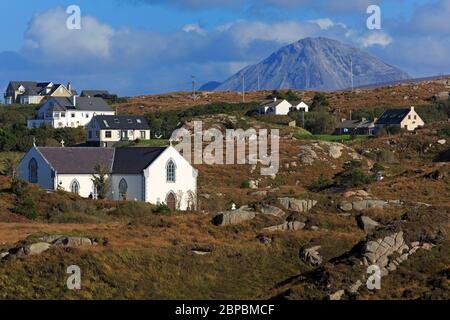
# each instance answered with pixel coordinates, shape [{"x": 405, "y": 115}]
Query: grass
[
  {"x": 332, "y": 138},
  {"x": 151, "y": 143}
]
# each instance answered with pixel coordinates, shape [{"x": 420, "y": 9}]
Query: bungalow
[
  {"x": 30, "y": 92},
  {"x": 301, "y": 107},
  {"x": 71, "y": 112},
  {"x": 407, "y": 119},
  {"x": 108, "y": 130},
  {"x": 154, "y": 175},
  {"x": 362, "y": 127},
  {"x": 275, "y": 107}
]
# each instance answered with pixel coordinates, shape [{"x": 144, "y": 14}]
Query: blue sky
[{"x": 136, "y": 47}]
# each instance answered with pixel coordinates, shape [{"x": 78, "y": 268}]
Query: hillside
[{"x": 314, "y": 64}]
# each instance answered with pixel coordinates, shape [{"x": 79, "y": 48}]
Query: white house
[
  {"x": 275, "y": 107},
  {"x": 300, "y": 107},
  {"x": 155, "y": 175},
  {"x": 61, "y": 112},
  {"x": 407, "y": 119},
  {"x": 107, "y": 131},
  {"x": 31, "y": 92}
]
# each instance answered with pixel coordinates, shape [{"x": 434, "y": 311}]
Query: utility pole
[
  {"x": 193, "y": 87},
  {"x": 257, "y": 70}
]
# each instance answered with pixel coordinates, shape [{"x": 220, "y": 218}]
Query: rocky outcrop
[
  {"x": 37, "y": 248},
  {"x": 271, "y": 210},
  {"x": 366, "y": 223},
  {"x": 311, "y": 256},
  {"x": 240, "y": 215},
  {"x": 360, "y": 205},
  {"x": 297, "y": 205},
  {"x": 287, "y": 226}
]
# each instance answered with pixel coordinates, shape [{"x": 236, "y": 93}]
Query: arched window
[
  {"x": 170, "y": 171},
  {"x": 75, "y": 187},
  {"x": 123, "y": 189},
  {"x": 33, "y": 171}
]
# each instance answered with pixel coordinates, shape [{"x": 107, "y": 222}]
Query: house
[
  {"x": 154, "y": 175},
  {"x": 30, "y": 92},
  {"x": 95, "y": 93},
  {"x": 108, "y": 130},
  {"x": 407, "y": 119},
  {"x": 359, "y": 127},
  {"x": 300, "y": 107},
  {"x": 275, "y": 107},
  {"x": 73, "y": 112}
]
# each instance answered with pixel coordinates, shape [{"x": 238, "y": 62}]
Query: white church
[{"x": 157, "y": 175}]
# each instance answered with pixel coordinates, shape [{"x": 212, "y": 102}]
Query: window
[
  {"x": 33, "y": 171},
  {"x": 97, "y": 134},
  {"x": 409, "y": 117},
  {"x": 72, "y": 115},
  {"x": 108, "y": 134},
  {"x": 123, "y": 189},
  {"x": 63, "y": 114},
  {"x": 170, "y": 171},
  {"x": 415, "y": 117},
  {"x": 75, "y": 187},
  {"x": 143, "y": 135}
]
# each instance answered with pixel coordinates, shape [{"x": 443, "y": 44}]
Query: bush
[
  {"x": 445, "y": 131},
  {"x": 245, "y": 184},
  {"x": 25, "y": 205},
  {"x": 320, "y": 122},
  {"x": 353, "y": 176},
  {"x": 321, "y": 184}
]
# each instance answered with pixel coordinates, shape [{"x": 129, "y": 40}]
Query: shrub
[
  {"x": 321, "y": 184},
  {"x": 25, "y": 205},
  {"x": 245, "y": 184},
  {"x": 445, "y": 131},
  {"x": 353, "y": 176}
]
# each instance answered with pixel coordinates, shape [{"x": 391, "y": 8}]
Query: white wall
[
  {"x": 45, "y": 171},
  {"x": 64, "y": 182},
  {"x": 134, "y": 183},
  {"x": 157, "y": 188},
  {"x": 281, "y": 109}
]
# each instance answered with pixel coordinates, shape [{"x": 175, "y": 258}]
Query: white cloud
[
  {"x": 375, "y": 39},
  {"x": 194, "y": 27},
  {"x": 324, "y": 23}
]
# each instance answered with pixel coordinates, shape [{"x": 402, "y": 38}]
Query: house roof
[
  {"x": 393, "y": 116},
  {"x": 77, "y": 160},
  {"x": 122, "y": 122},
  {"x": 16, "y": 84},
  {"x": 135, "y": 160},
  {"x": 33, "y": 88},
  {"x": 82, "y": 104},
  {"x": 93, "y": 93},
  {"x": 272, "y": 103},
  {"x": 350, "y": 124}
]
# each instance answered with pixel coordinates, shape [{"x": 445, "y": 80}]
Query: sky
[{"x": 134, "y": 47}]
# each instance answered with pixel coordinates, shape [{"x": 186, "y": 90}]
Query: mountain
[
  {"x": 314, "y": 63},
  {"x": 210, "y": 86}
]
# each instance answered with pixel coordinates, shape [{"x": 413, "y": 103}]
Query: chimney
[
  {"x": 275, "y": 99},
  {"x": 412, "y": 108},
  {"x": 363, "y": 119},
  {"x": 74, "y": 100},
  {"x": 343, "y": 119},
  {"x": 69, "y": 86}
]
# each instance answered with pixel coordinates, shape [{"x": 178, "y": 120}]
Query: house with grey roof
[
  {"x": 157, "y": 175},
  {"x": 361, "y": 127},
  {"x": 111, "y": 130},
  {"x": 31, "y": 92},
  {"x": 275, "y": 107},
  {"x": 73, "y": 112},
  {"x": 407, "y": 119}
]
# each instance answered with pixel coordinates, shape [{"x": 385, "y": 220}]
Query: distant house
[
  {"x": 108, "y": 130},
  {"x": 94, "y": 93},
  {"x": 407, "y": 119},
  {"x": 71, "y": 112},
  {"x": 30, "y": 92},
  {"x": 154, "y": 175},
  {"x": 300, "y": 107},
  {"x": 359, "y": 127},
  {"x": 275, "y": 107}
]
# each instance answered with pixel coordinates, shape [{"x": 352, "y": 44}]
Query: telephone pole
[
  {"x": 193, "y": 87},
  {"x": 351, "y": 72},
  {"x": 243, "y": 88}
]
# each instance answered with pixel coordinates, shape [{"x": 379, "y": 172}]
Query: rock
[
  {"x": 442, "y": 141},
  {"x": 287, "y": 226},
  {"x": 337, "y": 295},
  {"x": 314, "y": 228},
  {"x": 264, "y": 239},
  {"x": 403, "y": 248},
  {"x": 311, "y": 256},
  {"x": 261, "y": 193},
  {"x": 366, "y": 223},
  {"x": 336, "y": 150},
  {"x": 362, "y": 193},
  {"x": 349, "y": 194},
  {"x": 73, "y": 242},
  {"x": 201, "y": 252},
  {"x": 242, "y": 214},
  {"x": 307, "y": 155},
  {"x": 345, "y": 206},
  {"x": 369, "y": 204},
  {"x": 355, "y": 287},
  {"x": 274, "y": 211},
  {"x": 415, "y": 244},
  {"x": 4, "y": 255},
  {"x": 297, "y": 205},
  {"x": 37, "y": 248},
  {"x": 205, "y": 195},
  {"x": 253, "y": 184},
  {"x": 427, "y": 246},
  {"x": 51, "y": 238},
  {"x": 391, "y": 267}
]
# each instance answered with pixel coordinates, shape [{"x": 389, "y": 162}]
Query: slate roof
[
  {"x": 135, "y": 160},
  {"x": 393, "y": 116},
  {"x": 350, "y": 124},
  {"x": 77, "y": 160},
  {"x": 82, "y": 103},
  {"x": 106, "y": 122},
  {"x": 272, "y": 103},
  {"x": 82, "y": 160},
  {"x": 33, "y": 88}
]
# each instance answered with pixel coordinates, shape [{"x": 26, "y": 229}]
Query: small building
[
  {"x": 302, "y": 107},
  {"x": 31, "y": 92},
  {"x": 70, "y": 112},
  {"x": 108, "y": 130},
  {"x": 358, "y": 127},
  {"x": 275, "y": 107},
  {"x": 154, "y": 175},
  {"x": 407, "y": 119}
]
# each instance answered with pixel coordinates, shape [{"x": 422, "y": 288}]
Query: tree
[
  {"x": 319, "y": 102},
  {"x": 320, "y": 122},
  {"x": 100, "y": 180},
  {"x": 9, "y": 166}
]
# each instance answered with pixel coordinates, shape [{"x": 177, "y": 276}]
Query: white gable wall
[
  {"x": 45, "y": 171},
  {"x": 156, "y": 186},
  {"x": 64, "y": 181},
  {"x": 282, "y": 108}
]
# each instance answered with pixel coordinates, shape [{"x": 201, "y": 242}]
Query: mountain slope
[{"x": 314, "y": 63}]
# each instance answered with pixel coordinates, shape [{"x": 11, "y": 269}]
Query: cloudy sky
[{"x": 147, "y": 46}]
